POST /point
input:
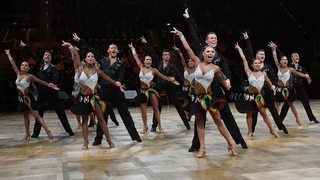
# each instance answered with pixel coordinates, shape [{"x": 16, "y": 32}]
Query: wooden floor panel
[{"x": 159, "y": 157}]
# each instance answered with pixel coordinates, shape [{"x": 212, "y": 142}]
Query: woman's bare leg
[
  {"x": 223, "y": 131},
  {"x": 85, "y": 132},
  {"x": 200, "y": 120},
  {"x": 103, "y": 124},
  {"x": 143, "y": 109},
  {"x": 249, "y": 125},
  {"x": 266, "y": 119},
  {"x": 26, "y": 124},
  {"x": 42, "y": 123},
  {"x": 154, "y": 103},
  {"x": 295, "y": 113}
]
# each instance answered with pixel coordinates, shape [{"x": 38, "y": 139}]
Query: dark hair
[
  {"x": 211, "y": 32},
  {"x": 165, "y": 50}
]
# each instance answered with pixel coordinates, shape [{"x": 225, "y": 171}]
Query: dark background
[{"x": 293, "y": 26}]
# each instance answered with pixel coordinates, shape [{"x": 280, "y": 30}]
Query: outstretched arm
[
  {"x": 107, "y": 78},
  {"x": 293, "y": 71},
  {"x": 243, "y": 57},
  {"x": 273, "y": 47},
  {"x": 135, "y": 56},
  {"x": 31, "y": 53},
  {"x": 84, "y": 45},
  {"x": 74, "y": 53},
  {"x": 183, "y": 61},
  {"x": 185, "y": 44},
  {"x": 162, "y": 76},
  {"x": 194, "y": 31},
  {"x": 249, "y": 45},
  {"x": 13, "y": 64},
  {"x": 37, "y": 80}
]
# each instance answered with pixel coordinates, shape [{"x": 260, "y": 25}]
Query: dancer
[
  {"x": 114, "y": 68},
  {"x": 269, "y": 95},
  {"x": 147, "y": 90},
  {"x": 188, "y": 75},
  {"x": 299, "y": 88},
  {"x": 47, "y": 72},
  {"x": 256, "y": 80},
  {"x": 165, "y": 88},
  {"x": 89, "y": 101},
  {"x": 218, "y": 91},
  {"x": 284, "y": 90},
  {"x": 26, "y": 101},
  {"x": 202, "y": 101}
]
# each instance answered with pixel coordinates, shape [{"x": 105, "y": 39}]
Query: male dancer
[
  {"x": 165, "y": 88},
  {"x": 217, "y": 90},
  {"x": 269, "y": 96},
  {"x": 47, "y": 72},
  {"x": 114, "y": 68},
  {"x": 300, "y": 91}
]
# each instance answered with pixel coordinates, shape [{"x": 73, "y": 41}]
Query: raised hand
[
  {"x": 76, "y": 37},
  {"x": 176, "y": 32},
  {"x": 66, "y": 44},
  {"x": 186, "y": 14},
  {"x": 237, "y": 47},
  {"x": 22, "y": 44},
  {"x": 245, "y": 35},
  {"x": 53, "y": 86},
  {"x": 176, "y": 48},
  {"x": 131, "y": 46},
  {"x": 7, "y": 51},
  {"x": 143, "y": 40}
]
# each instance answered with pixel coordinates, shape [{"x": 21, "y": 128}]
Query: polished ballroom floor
[{"x": 160, "y": 156}]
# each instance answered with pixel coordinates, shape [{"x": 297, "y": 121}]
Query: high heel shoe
[
  {"x": 161, "y": 131},
  {"x": 144, "y": 131},
  {"x": 111, "y": 145},
  {"x": 49, "y": 135},
  {"x": 233, "y": 150},
  {"x": 274, "y": 134},
  {"x": 85, "y": 145},
  {"x": 201, "y": 153},
  {"x": 27, "y": 137},
  {"x": 249, "y": 136},
  {"x": 79, "y": 125}
]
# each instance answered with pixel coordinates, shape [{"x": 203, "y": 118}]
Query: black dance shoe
[
  {"x": 96, "y": 142},
  {"x": 153, "y": 129},
  {"x": 34, "y": 136},
  {"x": 192, "y": 149},
  {"x": 244, "y": 145}
]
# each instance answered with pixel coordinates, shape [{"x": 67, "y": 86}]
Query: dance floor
[{"x": 160, "y": 156}]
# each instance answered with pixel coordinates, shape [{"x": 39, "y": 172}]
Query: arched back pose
[
  {"x": 26, "y": 101},
  {"x": 256, "y": 79},
  {"x": 284, "y": 90},
  {"x": 202, "y": 100},
  {"x": 147, "y": 90},
  {"x": 89, "y": 101}
]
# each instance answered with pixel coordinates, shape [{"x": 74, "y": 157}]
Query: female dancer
[
  {"x": 202, "y": 100},
  {"x": 256, "y": 80},
  {"x": 147, "y": 90},
  {"x": 188, "y": 80},
  {"x": 88, "y": 99},
  {"x": 26, "y": 101},
  {"x": 285, "y": 90}
]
